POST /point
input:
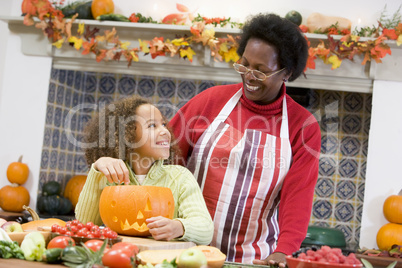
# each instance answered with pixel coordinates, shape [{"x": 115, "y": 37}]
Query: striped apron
[{"x": 241, "y": 175}]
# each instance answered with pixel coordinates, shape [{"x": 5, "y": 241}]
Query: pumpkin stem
[
  {"x": 34, "y": 215},
  {"x": 400, "y": 192},
  {"x": 20, "y": 159}
]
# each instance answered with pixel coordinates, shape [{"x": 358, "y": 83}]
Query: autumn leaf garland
[{"x": 108, "y": 47}]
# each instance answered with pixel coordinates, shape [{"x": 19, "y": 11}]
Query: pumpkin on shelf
[
  {"x": 50, "y": 202},
  {"x": 17, "y": 172},
  {"x": 102, "y": 7},
  {"x": 393, "y": 208},
  {"x": 13, "y": 197},
  {"x": 124, "y": 208},
  {"x": 74, "y": 187},
  {"x": 391, "y": 233}
]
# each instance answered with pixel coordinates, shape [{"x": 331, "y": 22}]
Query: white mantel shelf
[{"x": 351, "y": 76}]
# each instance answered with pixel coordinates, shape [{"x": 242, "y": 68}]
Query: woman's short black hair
[{"x": 281, "y": 33}]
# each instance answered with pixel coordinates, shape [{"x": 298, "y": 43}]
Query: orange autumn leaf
[
  {"x": 88, "y": 46},
  {"x": 390, "y": 33},
  {"x": 101, "y": 54}
]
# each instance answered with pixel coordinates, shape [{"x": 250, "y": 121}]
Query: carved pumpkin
[
  {"x": 393, "y": 208},
  {"x": 388, "y": 235},
  {"x": 74, "y": 187},
  {"x": 13, "y": 198},
  {"x": 17, "y": 172},
  {"x": 124, "y": 208}
]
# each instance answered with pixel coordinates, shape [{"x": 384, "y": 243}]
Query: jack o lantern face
[{"x": 125, "y": 208}]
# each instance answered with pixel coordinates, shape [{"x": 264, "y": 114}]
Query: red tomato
[
  {"x": 95, "y": 244},
  {"x": 116, "y": 258},
  {"x": 60, "y": 242},
  {"x": 126, "y": 246}
]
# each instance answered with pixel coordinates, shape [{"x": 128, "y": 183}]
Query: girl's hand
[
  {"x": 162, "y": 228},
  {"x": 277, "y": 259},
  {"x": 114, "y": 169}
]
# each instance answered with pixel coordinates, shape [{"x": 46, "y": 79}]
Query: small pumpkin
[
  {"x": 124, "y": 208},
  {"x": 74, "y": 187},
  {"x": 37, "y": 222},
  {"x": 388, "y": 235},
  {"x": 102, "y": 7},
  {"x": 51, "y": 188},
  {"x": 393, "y": 208},
  {"x": 13, "y": 197},
  {"x": 17, "y": 172},
  {"x": 294, "y": 17},
  {"x": 54, "y": 205}
]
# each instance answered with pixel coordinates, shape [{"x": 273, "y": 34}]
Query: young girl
[{"x": 128, "y": 142}]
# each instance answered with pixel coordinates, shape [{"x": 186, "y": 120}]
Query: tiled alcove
[{"x": 344, "y": 118}]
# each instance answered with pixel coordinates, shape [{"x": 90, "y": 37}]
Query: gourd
[
  {"x": 101, "y": 7},
  {"x": 388, "y": 235},
  {"x": 17, "y": 172},
  {"x": 50, "y": 202},
  {"x": 37, "y": 222},
  {"x": 215, "y": 258},
  {"x": 13, "y": 197},
  {"x": 320, "y": 22},
  {"x": 391, "y": 233},
  {"x": 82, "y": 8},
  {"x": 393, "y": 208},
  {"x": 124, "y": 208},
  {"x": 294, "y": 17},
  {"x": 74, "y": 187}
]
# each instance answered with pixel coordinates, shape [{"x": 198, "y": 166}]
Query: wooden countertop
[{"x": 7, "y": 263}]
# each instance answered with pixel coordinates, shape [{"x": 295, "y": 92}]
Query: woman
[{"x": 254, "y": 150}]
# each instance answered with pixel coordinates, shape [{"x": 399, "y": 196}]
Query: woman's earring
[{"x": 285, "y": 80}]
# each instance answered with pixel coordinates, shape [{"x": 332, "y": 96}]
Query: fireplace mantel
[{"x": 350, "y": 76}]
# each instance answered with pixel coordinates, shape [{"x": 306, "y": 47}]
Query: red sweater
[{"x": 296, "y": 197}]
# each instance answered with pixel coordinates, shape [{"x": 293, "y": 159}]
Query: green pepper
[{"x": 33, "y": 246}]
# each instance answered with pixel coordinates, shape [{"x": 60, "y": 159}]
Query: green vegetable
[
  {"x": 51, "y": 188},
  {"x": 113, "y": 17},
  {"x": 54, "y": 205},
  {"x": 83, "y": 8},
  {"x": 52, "y": 255},
  {"x": 10, "y": 250},
  {"x": 294, "y": 17},
  {"x": 33, "y": 246},
  {"x": 82, "y": 257}
]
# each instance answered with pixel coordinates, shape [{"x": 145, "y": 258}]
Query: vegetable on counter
[
  {"x": 10, "y": 249},
  {"x": 113, "y": 17},
  {"x": 37, "y": 222},
  {"x": 33, "y": 246}
]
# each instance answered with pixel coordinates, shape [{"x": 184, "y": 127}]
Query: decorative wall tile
[{"x": 344, "y": 119}]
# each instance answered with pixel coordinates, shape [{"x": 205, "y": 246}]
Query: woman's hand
[
  {"x": 114, "y": 169},
  {"x": 162, "y": 228},
  {"x": 277, "y": 259}
]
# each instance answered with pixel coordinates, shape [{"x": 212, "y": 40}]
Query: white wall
[
  {"x": 24, "y": 84},
  {"x": 383, "y": 176}
]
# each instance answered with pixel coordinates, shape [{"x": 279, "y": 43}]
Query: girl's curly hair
[
  {"x": 103, "y": 134},
  {"x": 281, "y": 33}
]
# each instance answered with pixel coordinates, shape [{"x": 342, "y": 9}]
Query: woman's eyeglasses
[{"x": 241, "y": 69}]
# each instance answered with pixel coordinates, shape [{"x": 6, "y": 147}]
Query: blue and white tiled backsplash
[{"x": 344, "y": 118}]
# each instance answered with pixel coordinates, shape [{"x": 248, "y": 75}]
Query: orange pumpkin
[
  {"x": 124, "y": 208},
  {"x": 393, "y": 208},
  {"x": 388, "y": 235},
  {"x": 17, "y": 172},
  {"x": 74, "y": 187},
  {"x": 102, "y": 7},
  {"x": 13, "y": 198}
]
